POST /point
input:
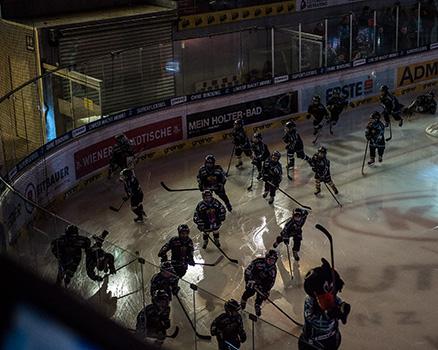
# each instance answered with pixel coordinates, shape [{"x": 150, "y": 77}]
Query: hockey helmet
[
  {"x": 375, "y": 115},
  {"x": 126, "y": 174},
  {"x": 290, "y": 125},
  {"x": 322, "y": 150},
  {"x": 257, "y": 136},
  {"x": 276, "y": 156},
  {"x": 298, "y": 213},
  {"x": 232, "y": 305},
  {"x": 271, "y": 255},
  {"x": 384, "y": 88},
  {"x": 207, "y": 195},
  {"x": 210, "y": 160},
  {"x": 71, "y": 230},
  {"x": 121, "y": 137},
  {"x": 161, "y": 298},
  {"x": 183, "y": 229},
  {"x": 316, "y": 99},
  {"x": 167, "y": 266},
  {"x": 238, "y": 123}
]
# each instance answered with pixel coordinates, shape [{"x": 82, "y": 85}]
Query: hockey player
[
  {"x": 133, "y": 192},
  {"x": 318, "y": 111},
  {"x": 153, "y": 321},
  {"x": 321, "y": 167},
  {"x": 121, "y": 152},
  {"x": 391, "y": 106},
  {"x": 97, "y": 258},
  {"x": 422, "y": 104},
  {"x": 272, "y": 175},
  {"x": 294, "y": 144},
  {"x": 241, "y": 142},
  {"x": 335, "y": 105},
  {"x": 209, "y": 216},
  {"x": 165, "y": 280},
  {"x": 260, "y": 278},
  {"x": 212, "y": 177},
  {"x": 228, "y": 327},
  {"x": 323, "y": 309},
  {"x": 260, "y": 153},
  {"x": 68, "y": 250},
  {"x": 181, "y": 248},
  {"x": 294, "y": 229},
  {"x": 375, "y": 134}
]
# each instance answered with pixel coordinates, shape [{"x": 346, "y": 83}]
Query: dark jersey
[
  {"x": 97, "y": 258},
  {"x": 211, "y": 179},
  {"x": 272, "y": 172},
  {"x": 209, "y": 216},
  {"x": 260, "y": 151},
  {"x": 375, "y": 133},
  {"x": 228, "y": 328},
  {"x": 321, "y": 167},
  {"x": 168, "y": 284},
  {"x": 68, "y": 249},
  {"x": 293, "y": 140},
  {"x": 132, "y": 187},
  {"x": 151, "y": 318},
  {"x": 240, "y": 139},
  {"x": 318, "y": 111},
  {"x": 294, "y": 227},
  {"x": 181, "y": 250},
  {"x": 390, "y": 103},
  {"x": 336, "y": 104},
  {"x": 262, "y": 273},
  {"x": 123, "y": 149}
]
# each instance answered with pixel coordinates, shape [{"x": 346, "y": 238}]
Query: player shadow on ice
[{"x": 104, "y": 301}]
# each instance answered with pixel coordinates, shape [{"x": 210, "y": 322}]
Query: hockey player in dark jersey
[
  {"x": 228, "y": 327},
  {"x": 120, "y": 155},
  {"x": 321, "y": 167},
  {"x": 133, "y": 192},
  {"x": 336, "y": 105},
  {"x": 272, "y": 175},
  {"x": 68, "y": 250},
  {"x": 323, "y": 309},
  {"x": 391, "y": 106},
  {"x": 375, "y": 134},
  {"x": 422, "y": 104},
  {"x": 318, "y": 111},
  {"x": 294, "y": 144},
  {"x": 181, "y": 248},
  {"x": 165, "y": 280},
  {"x": 153, "y": 321},
  {"x": 209, "y": 216},
  {"x": 260, "y": 275},
  {"x": 260, "y": 153},
  {"x": 241, "y": 142},
  {"x": 97, "y": 258},
  {"x": 294, "y": 229},
  {"x": 212, "y": 177}
]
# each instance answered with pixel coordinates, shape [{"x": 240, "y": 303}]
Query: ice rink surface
[{"x": 385, "y": 235}]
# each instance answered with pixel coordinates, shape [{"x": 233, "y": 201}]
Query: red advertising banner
[{"x": 98, "y": 155}]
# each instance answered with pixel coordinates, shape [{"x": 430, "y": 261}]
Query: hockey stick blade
[
  {"x": 235, "y": 261},
  {"x": 324, "y": 230},
  {"x": 218, "y": 260},
  {"x": 174, "y": 334},
  {"x": 201, "y": 336},
  {"x": 114, "y": 209},
  {"x": 176, "y": 189}
]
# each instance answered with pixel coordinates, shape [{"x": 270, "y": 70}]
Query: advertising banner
[
  {"x": 354, "y": 88},
  {"x": 417, "y": 72},
  {"x": 303, "y": 5},
  {"x": 148, "y": 136},
  {"x": 252, "y": 112}
]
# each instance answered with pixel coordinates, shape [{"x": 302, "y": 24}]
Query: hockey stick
[
  {"x": 252, "y": 178},
  {"x": 277, "y": 307},
  {"x": 333, "y": 195},
  {"x": 288, "y": 169},
  {"x": 390, "y": 132},
  {"x": 218, "y": 260},
  {"x": 330, "y": 238},
  {"x": 318, "y": 134},
  {"x": 202, "y": 336},
  {"x": 364, "y": 157},
  {"x": 235, "y": 261},
  {"x": 231, "y": 158},
  {"x": 172, "y": 335},
  {"x": 290, "y": 197},
  {"x": 290, "y": 265},
  {"x": 117, "y": 209},
  {"x": 177, "y": 189}
]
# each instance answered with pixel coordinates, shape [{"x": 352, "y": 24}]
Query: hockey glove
[
  {"x": 175, "y": 290},
  {"x": 191, "y": 262},
  {"x": 242, "y": 337}
]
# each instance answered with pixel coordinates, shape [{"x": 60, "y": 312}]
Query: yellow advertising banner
[{"x": 414, "y": 73}]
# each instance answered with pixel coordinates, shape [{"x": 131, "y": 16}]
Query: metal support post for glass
[
  {"x": 418, "y": 23},
  {"x": 397, "y": 11},
  {"x": 300, "y": 56},
  {"x": 326, "y": 41},
  {"x": 194, "y": 287},
  {"x": 375, "y": 31},
  {"x": 142, "y": 262},
  {"x": 272, "y": 51},
  {"x": 351, "y": 37},
  {"x": 253, "y": 319}
]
